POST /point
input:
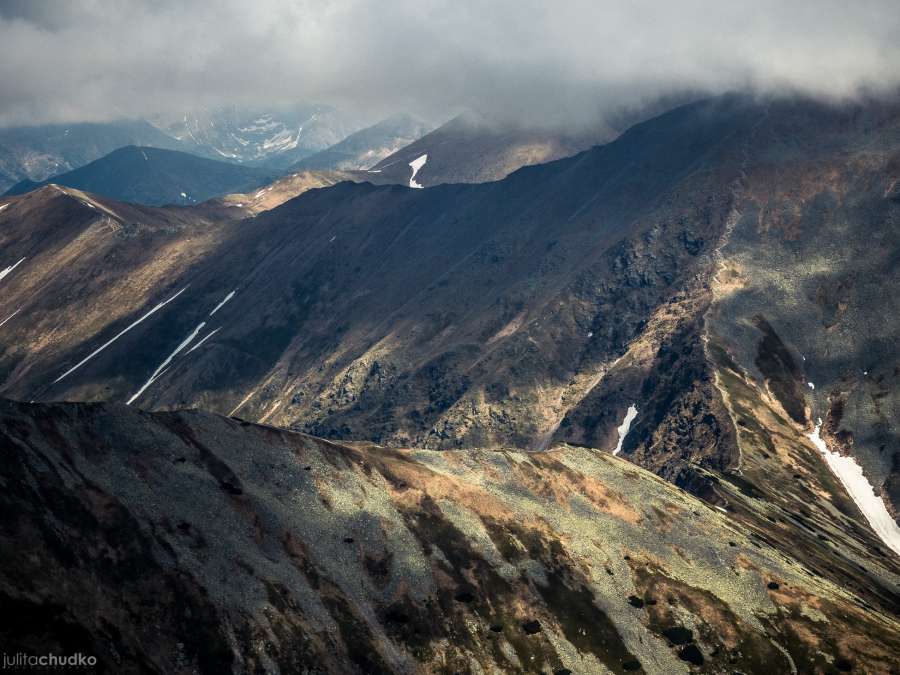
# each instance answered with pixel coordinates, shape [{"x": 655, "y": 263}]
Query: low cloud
[{"x": 526, "y": 60}]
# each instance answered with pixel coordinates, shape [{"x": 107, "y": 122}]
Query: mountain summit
[{"x": 154, "y": 177}]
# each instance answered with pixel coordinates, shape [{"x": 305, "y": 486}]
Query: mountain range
[
  {"x": 707, "y": 297},
  {"x": 417, "y": 317},
  {"x": 273, "y": 137}
]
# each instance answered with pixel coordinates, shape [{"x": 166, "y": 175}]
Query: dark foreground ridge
[{"x": 181, "y": 542}]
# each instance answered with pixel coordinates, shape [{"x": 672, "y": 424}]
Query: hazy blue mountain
[{"x": 154, "y": 177}]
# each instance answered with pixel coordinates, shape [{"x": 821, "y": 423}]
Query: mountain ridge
[
  {"x": 388, "y": 560},
  {"x": 155, "y": 177}
]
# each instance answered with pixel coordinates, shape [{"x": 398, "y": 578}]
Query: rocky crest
[{"x": 181, "y": 542}]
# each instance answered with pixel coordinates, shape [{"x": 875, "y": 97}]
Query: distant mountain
[
  {"x": 472, "y": 149},
  {"x": 154, "y": 177},
  {"x": 367, "y": 147},
  {"x": 274, "y": 137},
  {"x": 36, "y": 153}
]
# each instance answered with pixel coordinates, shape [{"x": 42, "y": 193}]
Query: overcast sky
[{"x": 82, "y": 60}]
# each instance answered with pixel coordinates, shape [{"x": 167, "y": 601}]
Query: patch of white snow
[
  {"x": 850, "y": 473},
  {"x": 9, "y": 317},
  {"x": 219, "y": 306},
  {"x": 625, "y": 427},
  {"x": 6, "y": 271},
  {"x": 416, "y": 165},
  {"x": 165, "y": 364},
  {"x": 204, "y": 339}
]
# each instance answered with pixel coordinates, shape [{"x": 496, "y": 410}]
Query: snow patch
[
  {"x": 3, "y": 206},
  {"x": 810, "y": 385},
  {"x": 416, "y": 165},
  {"x": 219, "y": 306},
  {"x": 850, "y": 473},
  {"x": 117, "y": 336},
  {"x": 9, "y": 317},
  {"x": 204, "y": 339},
  {"x": 6, "y": 271},
  {"x": 625, "y": 427},
  {"x": 165, "y": 364}
]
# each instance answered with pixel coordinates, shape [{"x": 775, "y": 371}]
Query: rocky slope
[
  {"x": 155, "y": 177},
  {"x": 703, "y": 269},
  {"x": 183, "y": 542}
]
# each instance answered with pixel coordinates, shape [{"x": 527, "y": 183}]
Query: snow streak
[
  {"x": 219, "y": 306},
  {"x": 204, "y": 339},
  {"x": 9, "y": 317},
  {"x": 4, "y": 272},
  {"x": 850, "y": 473},
  {"x": 165, "y": 364},
  {"x": 117, "y": 336}
]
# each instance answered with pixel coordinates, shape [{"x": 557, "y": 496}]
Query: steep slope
[
  {"x": 155, "y": 177},
  {"x": 641, "y": 274},
  {"x": 472, "y": 149},
  {"x": 186, "y": 542},
  {"x": 86, "y": 263},
  {"x": 36, "y": 153},
  {"x": 367, "y": 147},
  {"x": 273, "y": 137}
]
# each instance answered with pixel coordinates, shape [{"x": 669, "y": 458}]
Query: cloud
[{"x": 548, "y": 60}]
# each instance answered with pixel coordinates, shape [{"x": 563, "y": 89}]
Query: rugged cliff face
[
  {"x": 180, "y": 542},
  {"x": 725, "y": 237}
]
